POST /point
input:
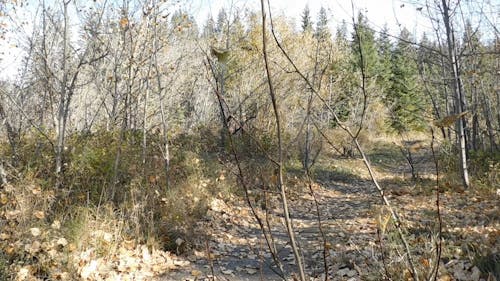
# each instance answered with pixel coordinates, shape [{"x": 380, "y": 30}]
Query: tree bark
[
  {"x": 458, "y": 92},
  {"x": 63, "y": 99}
]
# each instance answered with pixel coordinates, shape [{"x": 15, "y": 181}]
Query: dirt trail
[
  {"x": 236, "y": 240},
  {"x": 349, "y": 208}
]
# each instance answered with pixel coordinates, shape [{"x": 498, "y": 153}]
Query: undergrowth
[{"x": 46, "y": 231}]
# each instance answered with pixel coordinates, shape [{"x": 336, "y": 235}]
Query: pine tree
[
  {"x": 428, "y": 71},
  {"x": 404, "y": 96},
  {"x": 222, "y": 22},
  {"x": 322, "y": 32},
  {"x": 341, "y": 35},
  {"x": 307, "y": 25},
  {"x": 364, "y": 48},
  {"x": 384, "y": 46}
]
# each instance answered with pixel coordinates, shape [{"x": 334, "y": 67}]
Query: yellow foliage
[
  {"x": 449, "y": 120},
  {"x": 124, "y": 22}
]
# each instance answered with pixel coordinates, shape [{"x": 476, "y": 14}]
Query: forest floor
[
  {"x": 352, "y": 217},
  {"x": 359, "y": 241}
]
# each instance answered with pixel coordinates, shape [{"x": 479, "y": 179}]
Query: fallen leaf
[
  {"x": 108, "y": 237},
  {"x": 39, "y": 215},
  {"x": 250, "y": 270},
  {"x": 36, "y": 190},
  {"x": 88, "y": 269},
  {"x": 62, "y": 242},
  {"x": 4, "y": 199},
  {"x": 56, "y": 224},
  {"x": 196, "y": 273},
  {"x": 23, "y": 273},
  {"x": 33, "y": 248},
  {"x": 35, "y": 231},
  {"x": 179, "y": 241}
]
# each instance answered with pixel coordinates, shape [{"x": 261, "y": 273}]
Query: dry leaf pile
[{"x": 37, "y": 249}]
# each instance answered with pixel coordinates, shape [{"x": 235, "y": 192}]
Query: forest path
[
  {"x": 240, "y": 253},
  {"x": 351, "y": 211}
]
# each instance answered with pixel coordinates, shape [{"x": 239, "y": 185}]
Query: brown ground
[{"x": 352, "y": 212}]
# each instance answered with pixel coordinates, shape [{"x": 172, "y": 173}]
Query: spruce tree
[
  {"x": 222, "y": 22},
  {"x": 364, "y": 48},
  {"x": 307, "y": 25},
  {"x": 322, "y": 32},
  {"x": 404, "y": 96},
  {"x": 384, "y": 46}
]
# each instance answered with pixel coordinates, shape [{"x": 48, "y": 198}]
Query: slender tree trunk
[
  {"x": 164, "y": 118},
  {"x": 457, "y": 90},
  {"x": 12, "y": 135},
  {"x": 63, "y": 100},
  {"x": 221, "y": 67},
  {"x": 145, "y": 129},
  {"x": 488, "y": 117},
  {"x": 281, "y": 184}
]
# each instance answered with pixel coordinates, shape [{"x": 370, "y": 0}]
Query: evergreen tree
[
  {"x": 364, "y": 48},
  {"x": 222, "y": 22},
  {"x": 404, "y": 97},
  {"x": 307, "y": 25},
  {"x": 384, "y": 45},
  {"x": 428, "y": 70},
  {"x": 322, "y": 32},
  {"x": 341, "y": 35}
]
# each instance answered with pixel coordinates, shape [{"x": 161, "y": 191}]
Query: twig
[
  {"x": 439, "y": 246},
  {"x": 209, "y": 258},
  {"x": 381, "y": 249},
  {"x": 320, "y": 223},
  {"x": 281, "y": 184}
]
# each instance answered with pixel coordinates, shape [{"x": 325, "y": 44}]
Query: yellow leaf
[
  {"x": 124, "y": 22},
  {"x": 39, "y": 215},
  {"x": 446, "y": 277},
  {"x": 4, "y": 236},
  {"x": 4, "y": 199},
  {"x": 56, "y": 224},
  {"x": 385, "y": 222},
  {"x": 10, "y": 250},
  {"x": 196, "y": 273},
  {"x": 449, "y": 120},
  {"x": 36, "y": 190}
]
